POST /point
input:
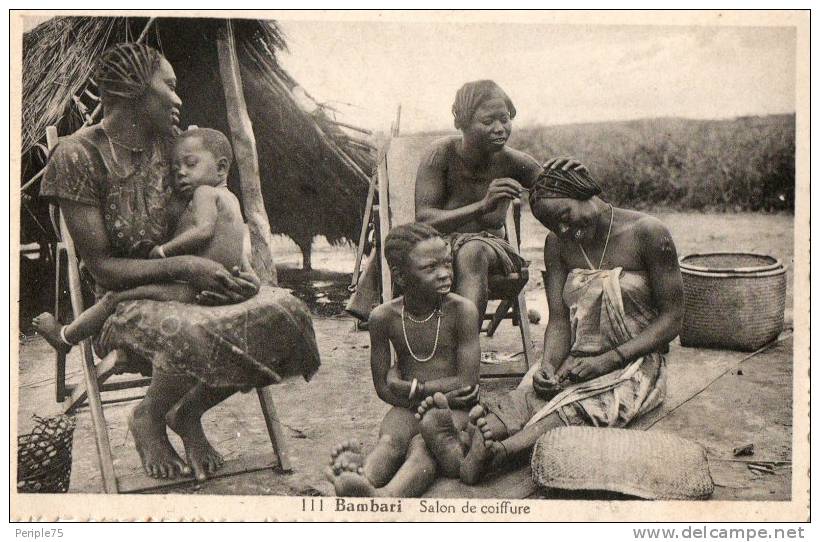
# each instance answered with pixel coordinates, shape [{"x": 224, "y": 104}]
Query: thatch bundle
[{"x": 313, "y": 172}]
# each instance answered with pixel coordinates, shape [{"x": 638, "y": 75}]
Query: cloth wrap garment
[
  {"x": 249, "y": 344},
  {"x": 607, "y": 308}
]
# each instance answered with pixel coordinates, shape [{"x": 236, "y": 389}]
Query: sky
[{"x": 555, "y": 74}]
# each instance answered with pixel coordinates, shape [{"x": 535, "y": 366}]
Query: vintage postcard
[{"x": 410, "y": 266}]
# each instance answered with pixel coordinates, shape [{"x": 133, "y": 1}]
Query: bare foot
[
  {"x": 159, "y": 459},
  {"x": 351, "y": 484},
  {"x": 202, "y": 457},
  {"x": 441, "y": 435},
  {"x": 497, "y": 450},
  {"x": 347, "y": 456},
  {"x": 424, "y": 406},
  {"x": 49, "y": 328},
  {"x": 481, "y": 452}
]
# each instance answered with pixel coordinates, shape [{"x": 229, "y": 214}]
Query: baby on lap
[{"x": 210, "y": 225}]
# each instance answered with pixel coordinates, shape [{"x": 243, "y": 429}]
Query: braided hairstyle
[
  {"x": 402, "y": 239},
  {"x": 557, "y": 183},
  {"x": 124, "y": 71},
  {"x": 470, "y": 97},
  {"x": 212, "y": 140}
]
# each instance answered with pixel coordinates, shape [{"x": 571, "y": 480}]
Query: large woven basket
[
  {"x": 647, "y": 464},
  {"x": 44, "y": 456},
  {"x": 733, "y": 300}
]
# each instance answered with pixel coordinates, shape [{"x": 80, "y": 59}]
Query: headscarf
[
  {"x": 556, "y": 183},
  {"x": 470, "y": 97},
  {"x": 125, "y": 70}
]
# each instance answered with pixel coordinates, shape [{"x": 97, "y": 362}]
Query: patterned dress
[
  {"x": 249, "y": 344},
  {"x": 607, "y": 307}
]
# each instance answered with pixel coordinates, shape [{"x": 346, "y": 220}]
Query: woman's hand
[
  {"x": 248, "y": 280},
  {"x": 499, "y": 191},
  {"x": 546, "y": 384},
  {"x": 463, "y": 397},
  {"x": 216, "y": 285},
  {"x": 565, "y": 163},
  {"x": 577, "y": 369},
  {"x": 248, "y": 283}
]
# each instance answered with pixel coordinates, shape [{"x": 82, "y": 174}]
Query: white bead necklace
[{"x": 407, "y": 341}]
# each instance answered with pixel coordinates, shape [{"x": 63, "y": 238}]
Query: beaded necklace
[{"x": 438, "y": 312}]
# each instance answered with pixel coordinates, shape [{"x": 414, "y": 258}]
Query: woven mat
[{"x": 650, "y": 465}]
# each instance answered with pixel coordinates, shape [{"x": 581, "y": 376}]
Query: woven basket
[
  {"x": 44, "y": 456},
  {"x": 733, "y": 301},
  {"x": 646, "y": 464}
]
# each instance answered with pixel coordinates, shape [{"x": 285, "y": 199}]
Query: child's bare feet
[
  {"x": 481, "y": 452},
  {"x": 347, "y": 456},
  {"x": 424, "y": 406},
  {"x": 441, "y": 435},
  {"x": 49, "y": 328},
  {"x": 348, "y": 483},
  {"x": 202, "y": 457},
  {"x": 159, "y": 459}
]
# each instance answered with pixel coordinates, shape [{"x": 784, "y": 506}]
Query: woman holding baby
[{"x": 113, "y": 183}]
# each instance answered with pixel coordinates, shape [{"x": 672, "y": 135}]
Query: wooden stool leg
[
  {"x": 59, "y": 372},
  {"x": 524, "y": 326},
  {"x": 59, "y": 361},
  {"x": 499, "y": 315},
  {"x": 98, "y": 420},
  {"x": 275, "y": 432}
]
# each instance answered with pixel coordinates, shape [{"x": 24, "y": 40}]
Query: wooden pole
[
  {"x": 109, "y": 478},
  {"x": 244, "y": 148}
]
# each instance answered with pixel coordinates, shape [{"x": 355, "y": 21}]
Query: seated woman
[
  {"x": 111, "y": 181},
  {"x": 614, "y": 292}
]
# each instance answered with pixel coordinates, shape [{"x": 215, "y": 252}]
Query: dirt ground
[{"x": 750, "y": 405}]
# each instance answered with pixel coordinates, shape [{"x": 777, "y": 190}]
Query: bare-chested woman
[{"x": 465, "y": 184}]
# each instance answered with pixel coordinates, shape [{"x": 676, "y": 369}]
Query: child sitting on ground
[
  {"x": 210, "y": 225},
  {"x": 435, "y": 335}
]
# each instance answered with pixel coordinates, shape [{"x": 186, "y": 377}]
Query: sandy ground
[{"x": 752, "y": 405}]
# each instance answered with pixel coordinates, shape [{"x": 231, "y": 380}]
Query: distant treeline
[{"x": 744, "y": 164}]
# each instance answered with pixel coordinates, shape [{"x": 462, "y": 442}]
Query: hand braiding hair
[
  {"x": 470, "y": 97},
  {"x": 125, "y": 70},
  {"x": 401, "y": 240}
]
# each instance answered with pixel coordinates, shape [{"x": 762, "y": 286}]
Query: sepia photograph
[{"x": 428, "y": 266}]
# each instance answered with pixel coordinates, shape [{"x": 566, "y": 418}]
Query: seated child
[
  {"x": 210, "y": 225},
  {"x": 435, "y": 335}
]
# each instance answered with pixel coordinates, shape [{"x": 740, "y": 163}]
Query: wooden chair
[
  {"x": 97, "y": 373},
  {"x": 396, "y": 180}
]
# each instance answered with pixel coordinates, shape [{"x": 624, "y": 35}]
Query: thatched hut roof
[{"x": 313, "y": 172}]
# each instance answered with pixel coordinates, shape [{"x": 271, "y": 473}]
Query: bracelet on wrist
[
  {"x": 161, "y": 251},
  {"x": 413, "y": 389}
]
